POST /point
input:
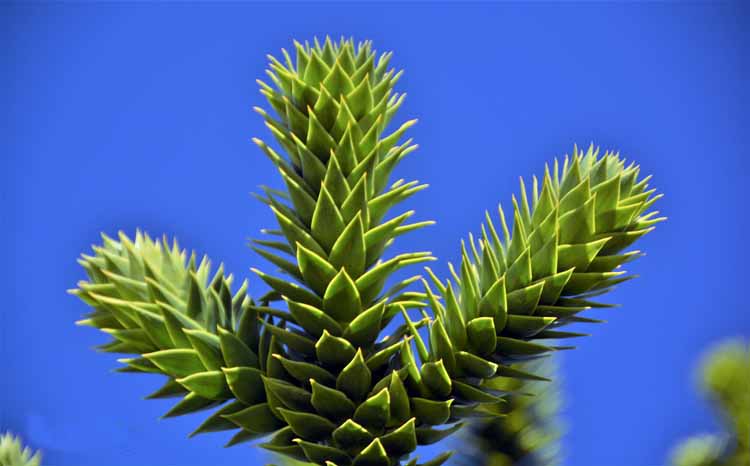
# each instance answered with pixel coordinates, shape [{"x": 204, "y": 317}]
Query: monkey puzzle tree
[{"x": 308, "y": 364}]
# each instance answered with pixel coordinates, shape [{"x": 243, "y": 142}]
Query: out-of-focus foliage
[
  {"x": 14, "y": 453},
  {"x": 529, "y": 432},
  {"x": 724, "y": 376},
  {"x": 700, "y": 450}
]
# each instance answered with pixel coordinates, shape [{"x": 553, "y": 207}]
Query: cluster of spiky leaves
[
  {"x": 528, "y": 432},
  {"x": 183, "y": 322},
  {"x": 565, "y": 248},
  {"x": 14, "y": 453},
  {"x": 339, "y": 391},
  {"x": 314, "y": 370},
  {"x": 724, "y": 377}
]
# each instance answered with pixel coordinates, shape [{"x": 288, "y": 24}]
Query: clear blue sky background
[{"x": 117, "y": 116}]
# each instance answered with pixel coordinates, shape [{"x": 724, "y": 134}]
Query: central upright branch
[{"x": 340, "y": 394}]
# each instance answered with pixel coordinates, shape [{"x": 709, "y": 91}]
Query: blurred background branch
[{"x": 724, "y": 378}]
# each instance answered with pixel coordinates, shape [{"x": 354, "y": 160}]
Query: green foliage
[
  {"x": 182, "y": 321},
  {"x": 564, "y": 250},
  {"x": 701, "y": 450},
  {"x": 528, "y": 432},
  {"x": 308, "y": 363},
  {"x": 13, "y": 453},
  {"x": 340, "y": 391},
  {"x": 724, "y": 377}
]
